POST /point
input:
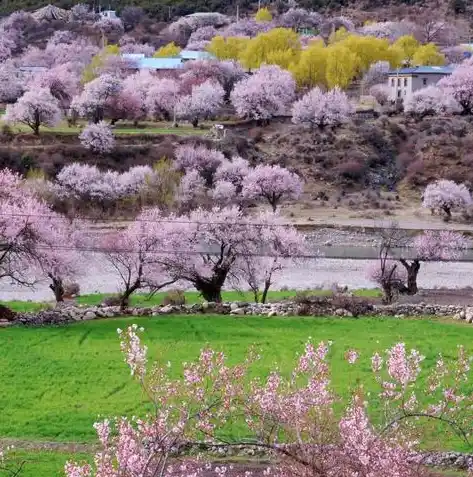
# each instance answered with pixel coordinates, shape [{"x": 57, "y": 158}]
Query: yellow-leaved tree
[
  {"x": 310, "y": 70},
  {"x": 342, "y": 66},
  {"x": 406, "y": 46},
  {"x": 368, "y": 49},
  {"x": 263, "y": 15},
  {"x": 264, "y": 46},
  {"x": 171, "y": 50},
  {"x": 229, "y": 48},
  {"x": 92, "y": 70},
  {"x": 338, "y": 35},
  {"x": 428, "y": 55}
]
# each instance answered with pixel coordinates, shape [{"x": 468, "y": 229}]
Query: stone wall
[{"x": 323, "y": 307}]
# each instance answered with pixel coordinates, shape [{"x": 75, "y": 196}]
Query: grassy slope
[
  {"x": 56, "y": 381},
  {"x": 191, "y": 297}
]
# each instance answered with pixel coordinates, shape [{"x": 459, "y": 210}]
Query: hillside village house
[
  {"x": 406, "y": 81},
  {"x": 141, "y": 62}
]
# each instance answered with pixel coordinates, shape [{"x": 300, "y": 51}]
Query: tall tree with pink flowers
[
  {"x": 267, "y": 93},
  {"x": 272, "y": 184},
  {"x": 320, "y": 109}
]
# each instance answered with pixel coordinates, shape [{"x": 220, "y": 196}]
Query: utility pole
[{"x": 238, "y": 13}]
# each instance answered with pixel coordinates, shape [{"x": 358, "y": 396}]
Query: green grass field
[
  {"x": 191, "y": 297},
  {"x": 56, "y": 381}
]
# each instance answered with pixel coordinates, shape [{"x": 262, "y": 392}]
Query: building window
[
  {"x": 392, "y": 82},
  {"x": 424, "y": 81},
  {"x": 398, "y": 93},
  {"x": 405, "y": 82},
  {"x": 398, "y": 82}
]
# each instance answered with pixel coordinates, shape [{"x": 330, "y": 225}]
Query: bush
[
  {"x": 355, "y": 305},
  {"x": 71, "y": 289},
  {"x": 113, "y": 300},
  {"x": 174, "y": 297},
  {"x": 6, "y": 313}
]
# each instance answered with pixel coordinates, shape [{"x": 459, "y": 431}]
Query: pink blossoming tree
[
  {"x": 459, "y": 85},
  {"x": 272, "y": 184},
  {"x": 284, "y": 246},
  {"x": 98, "y": 137},
  {"x": 294, "y": 418},
  {"x": 445, "y": 195},
  {"x": 320, "y": 109},
  {"x": 33, "y": 236},
  {"x": 267, "y": 93},
  {"x": 35, "y": 108},
  {"x": 95, "y": 97},
  {"x": 431, "y": 101},
  {"x": 204, "y": 102},
  {"x": 162, "y": 99},
  {"x": 131, "y": 254}
]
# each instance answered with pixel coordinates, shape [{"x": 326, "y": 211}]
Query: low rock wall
[{"x": 71, "y": 313}]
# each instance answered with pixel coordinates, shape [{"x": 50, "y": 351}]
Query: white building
[
  {"x": 405, "y": 81},
  {"x": 108, "y": 14}
]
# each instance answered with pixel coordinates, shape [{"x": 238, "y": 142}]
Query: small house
[{"x": 404, "y": 82}]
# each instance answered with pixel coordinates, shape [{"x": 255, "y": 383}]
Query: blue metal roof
[
  {"x": 423, "y": 70},
  {"x": 159, "y": 63},
  {"x": 195, "y": 55}
]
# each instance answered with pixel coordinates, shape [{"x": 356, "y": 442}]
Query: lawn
[
  {"x": 191, "y": 297},
  {"x": 57, "y": 380},
  {"x": 148, "y": 127}
]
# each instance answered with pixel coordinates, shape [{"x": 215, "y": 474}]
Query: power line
[
  {"x": 163, "y": 221},
  {"x": 173, "y": 252}
]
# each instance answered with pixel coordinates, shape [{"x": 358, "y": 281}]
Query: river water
[{"x": 311, "y": 274}]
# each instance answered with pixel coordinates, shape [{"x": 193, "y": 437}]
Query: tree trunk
[
  {"x": 267, "y": 284},
  {"x": 57, "y": 288},
  {"x": 412, "y": 273},
  {"x": 210, "y": 293},
  {"x": 195, "y": 122},
  {"x": 125, "y": 296},
  {"x": 447, "y": 211}
]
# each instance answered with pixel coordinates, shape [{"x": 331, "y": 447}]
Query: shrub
[
  {"x": 113, "y": 300},
  {"x": 6, "y": 313},
  {"x": 174, "y": 297},
  {"x": 71, "y": 289}
]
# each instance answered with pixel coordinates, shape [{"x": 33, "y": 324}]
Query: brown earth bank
[{"x": 387, "y": 154}]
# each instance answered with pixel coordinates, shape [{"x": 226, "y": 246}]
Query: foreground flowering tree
[
  {"x": 319, "y": 109},
  {"x": 35, "y": 108},
  {"x": 294, "y": 418},
  {"x": 444, "y": 195},
  {"x": 271, "y": 183}
]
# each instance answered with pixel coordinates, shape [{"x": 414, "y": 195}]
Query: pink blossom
[
  {"x": 134, "y": 351},
  {"x": 203, "y": 102},
  {"x": 199, "y": 158},
  {"x": 459, "y": 86},
  {"x": 273, "y": 184},
  {"x": 430, "y": 101},
  {"x": 352, "y": 356},
  {"x": 380, "y": 93},
  {"x": 265, "y": 94},
  {"x": 98, "y": 137},
  {"x": 322, "y": 109},
  {"x": 441, "y": 245},
  {"x": 162, "y": 98},
  {"x": 446, "y": 195},
  {"x": 35, "y": 108}
]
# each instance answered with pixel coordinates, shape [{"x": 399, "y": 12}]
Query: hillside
[{"x": 359, "y": 10}]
